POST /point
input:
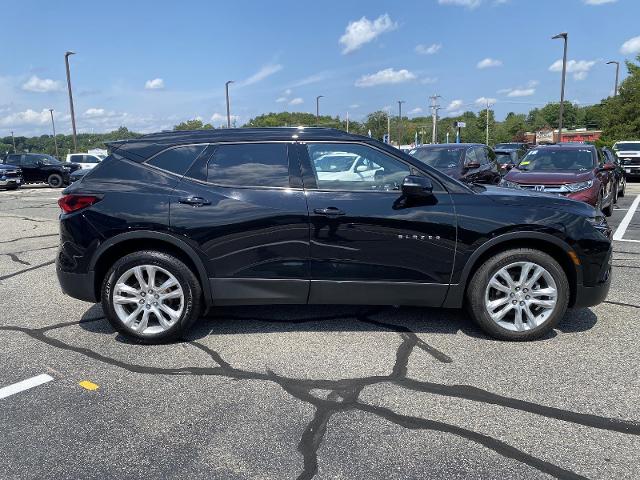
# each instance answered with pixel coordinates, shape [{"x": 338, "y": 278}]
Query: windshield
[
  {"x": 627, "y": 146},
  {"x": 557, "y": 159},
  {"x": 508, "y": 146},
  {"x": 48, "y": 160},
  {"x": 442, "y": 157},
  {"x": 334, "y": 163},
  {"x": 505, "y": 157}
]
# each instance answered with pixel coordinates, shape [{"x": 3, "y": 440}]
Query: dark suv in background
[
  {"x": 39, "y": 168},
  {"x": 467, "y": 162},
  {"x": 174, "y": 222}
]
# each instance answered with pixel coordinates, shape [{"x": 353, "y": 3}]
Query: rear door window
[
  {"x": 177, "y": 160},
  {"x": 249, "y": 165}
]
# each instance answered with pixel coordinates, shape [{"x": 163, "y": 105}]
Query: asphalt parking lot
[{"x": 309, "y": 392}]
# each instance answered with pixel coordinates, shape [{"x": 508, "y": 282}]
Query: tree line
[{"x": 617, "y": 116}]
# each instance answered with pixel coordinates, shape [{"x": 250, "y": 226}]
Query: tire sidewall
[
  {"x": 480, "y": 280},
  {"x": 55, "y": 176},
  {"x": 185, "y": 277}
]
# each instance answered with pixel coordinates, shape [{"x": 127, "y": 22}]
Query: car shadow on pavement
[{"x": 336, "y": 318}]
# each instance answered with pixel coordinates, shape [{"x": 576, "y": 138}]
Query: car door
[
  {"x": 31, "y": 170},
  {"x": 370, "y": 244},
  {"x": 242, "y": 205},
  {"x": 605, "y": 177}
]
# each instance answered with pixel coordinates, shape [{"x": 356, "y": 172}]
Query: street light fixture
[
  {"x": 226, "y": 87},
  {"x": 73, "y": 115},
  {"x": 318, "y": 109},
  {"x": 565, "y": 37},
  {"x": 400, "y": 102},
  {"x": 617, "y": 64},
  {"x": 53, "y": 125}
]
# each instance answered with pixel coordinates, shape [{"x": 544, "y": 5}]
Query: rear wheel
[
  {"x": 54, "y": 180},
  {"x": 519, "y": 294},
  {"x": 608, "y": 210},
  {"x": 622, "y": 190},
  {"x": 151, "y": 296}
]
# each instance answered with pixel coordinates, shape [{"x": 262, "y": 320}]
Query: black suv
[
  {"x": 39, "y": 167},
  {"x": 173, "y": 222}
]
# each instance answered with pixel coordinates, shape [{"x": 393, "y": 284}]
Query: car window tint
[
  {"x": 29, "y": 160},
  {"x": 343, "y": 166},
  {"x": 481, "y": 152},
  {"x": 90, "y": 159},
  {"x": 76, "y": 158},
  {"x": 177, "y": 160},
  {"x": 13, "y": 159},
  {"x": 250, "y": 165}
]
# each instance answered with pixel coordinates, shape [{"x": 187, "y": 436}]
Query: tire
[
  {"x": 186, "y": 308},
  {"x": 479, "y": 292},
  {"x": 616, "y": 193},
  {"x": 12, "y": 187},
  {"x": 624, "y": 188},
  {"x": 608, "y": 210},
  {"x": 55, "y": 181}
]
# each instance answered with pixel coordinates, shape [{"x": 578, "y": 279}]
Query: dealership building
[{"x": 551, "y": 136}]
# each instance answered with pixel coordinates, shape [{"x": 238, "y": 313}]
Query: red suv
[{"x": 576, "y": 171}]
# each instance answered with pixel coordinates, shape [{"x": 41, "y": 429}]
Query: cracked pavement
[{"x": 309, "y": 391}]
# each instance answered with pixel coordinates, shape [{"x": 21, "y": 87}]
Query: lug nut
[
  {"x": 515, "y": 302},
  {"x": 141, "y": 301},
  {"x": 512, "y": 294},
  {"x": 517, "y": 289},
  {"x": 156, "y": 296},
  {"x": 521, "y": 303},
  {"x": 142, "y": 294},
  {"x": 150, "y": 291},
  {"x": 525, "y": 290},
  {"x": 155, "y": 304},
  {"x": 148, "y": 306},
  {"x": 527, "y": 297}
]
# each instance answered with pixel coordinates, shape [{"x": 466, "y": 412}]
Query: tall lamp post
[
  {"x": 617, "y": 64},
  {"x": 53, "y": 125},
  {"x": 226, "y": 88},
  {"x": 13, "y": 139},
  {"x": 318, "y": 109},
  {"x": 400, "y": 102},
  {"x": 73, "y": 115},
  {"x": 565, "y": 37}
]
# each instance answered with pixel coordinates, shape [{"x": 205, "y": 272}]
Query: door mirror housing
[
  {"x": 608, "y": 167},
  {"x": 416, "y": 186},
  {"x": 361, "y": 168}
]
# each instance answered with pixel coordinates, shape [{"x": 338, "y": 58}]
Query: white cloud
[
  {"x": 315, "y": 78},
  {"x": 296, "y": 101},
  {"x": 364, "y": 31},
  {"x": 261, "y": 74},
  {"x": 355, "y": 105},
  {"x": 489, "y": 63},
  {"x": 220, "y": 118},
  {"x": 429, "y": 80},
  {"x": 41, "y": 85},
  {"x": 428, "y": 50},
  {"x": 28, "y": 117},
  {"x": 461, "y": 3},
  {"x": 631, "y": 46},
  {"x": 455, "y": 105},
  {"x": 288, "y": 92},
  {"x": 94, "y": 112},
  {"x": 482, "y": 101},
  {"x": 598, "y": 2},
  {"x": 520, "y": 91},
  {"x": 579, "y": 68},
  {"x": 416, "y": 110},
  {"x": 385, "y": 77},
  {"x": 155, "y": 84},
  {"x": 281, "y": 99}
]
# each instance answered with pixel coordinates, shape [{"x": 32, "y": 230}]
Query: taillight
[{"x": 72, "y": 203}]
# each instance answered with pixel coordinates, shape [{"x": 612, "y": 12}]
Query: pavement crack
[
  {"x": 621, "y": 304},
  {"x": 14, "y": 258},
  {"x": 25, "y": 270},
  {"x": 28, "y": 238}
]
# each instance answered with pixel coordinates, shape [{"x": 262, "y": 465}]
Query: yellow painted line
[{"x": 87, "y": 385}]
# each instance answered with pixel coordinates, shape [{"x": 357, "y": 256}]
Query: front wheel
[
  {"x": 519, "y": 294},
  {"x": 151, "y": 296},
  {"x": 55, "y": 181}
]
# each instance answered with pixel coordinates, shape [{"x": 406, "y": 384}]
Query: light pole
[
  {"x": 400, "y": 102},
  {"x": 617, "y": 64},
  {"x": 13, "y": 139},
  {"x": 565, "y": 37},
  {"x": 226, "y": 88},
  {"x": 73, "y": 115},
  {"x": 318, "y": 109},
  {"x": 53, "y": 125},
  {"x": 487, "y": 123}
]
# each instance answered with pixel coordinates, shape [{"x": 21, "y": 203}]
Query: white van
[{"x": 85, "y": 160}]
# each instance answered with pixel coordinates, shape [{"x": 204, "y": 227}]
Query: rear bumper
[{"x": 77, "y": 285}]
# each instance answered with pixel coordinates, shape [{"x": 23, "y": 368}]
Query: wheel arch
[
  {"x": 130, "y": 242},
  {"x": 553, "y": 246}
]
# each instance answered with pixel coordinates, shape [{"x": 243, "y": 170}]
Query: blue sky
[{"x": 151, "y": 64}]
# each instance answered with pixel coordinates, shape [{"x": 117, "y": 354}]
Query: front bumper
[
  {"x": 632, "y": 170},
  {"x": 591, "y": 296},
  {"x": 10, "y": 181},
  {"x": 77, "y": 285}
]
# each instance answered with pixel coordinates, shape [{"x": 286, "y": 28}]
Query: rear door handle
[
  {"x": 195, "y": 201},
  {"x": 329, "y": 212}
]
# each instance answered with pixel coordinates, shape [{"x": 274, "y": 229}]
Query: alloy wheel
[
  {"x": 521, "y": 296},
  {"x": 148, "y": 299}
]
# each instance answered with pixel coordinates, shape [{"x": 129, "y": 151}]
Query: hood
[
  {"x": 558, "y": 177},
  {"x": 514, "y": 196}
]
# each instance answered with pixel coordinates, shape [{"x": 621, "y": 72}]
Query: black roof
[{"x": 148, "y": 145}]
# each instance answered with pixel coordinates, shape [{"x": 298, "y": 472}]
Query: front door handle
[
  {"x": 329, "y": 212},
  {"x": 194, "y": 201}
]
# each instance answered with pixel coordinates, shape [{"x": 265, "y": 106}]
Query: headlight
[
  {"x": 576, "y": 187},
  {"x": 66, "y": 169},
  {"x": 508, "y": 184}
]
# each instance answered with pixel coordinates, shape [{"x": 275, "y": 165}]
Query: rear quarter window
[
  {"x": 177, "y": 160},
  {"x": 249, "y": 165}
]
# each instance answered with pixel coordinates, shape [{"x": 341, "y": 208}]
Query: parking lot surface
[{"x": 309, "y": 392}]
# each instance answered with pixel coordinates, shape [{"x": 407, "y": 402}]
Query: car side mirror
[
  {"x": 415, "y": 186},
  {"x": 609, "y": 166},
  {"x": 361, "y": 168},
  {"x": 471, "y": 164}
]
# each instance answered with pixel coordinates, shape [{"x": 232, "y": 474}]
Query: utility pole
[
  {"x": 617, "y": 64},
  {"x": 487, "y": 123},
  {"x": 318, "y": 109},
  {"x": 14, "y": 142},
  {"x": 565, "y": 37},
  {"x": 400, "y": 102},
  {"x": 73, "y": 115},
  {"x": 53, "y": 125},
  {"x": 226, "y": 88},
  {"x": 347, "y": 122},
  {"x": 434, "y": 115},
  {"x": 388, "y": 128}
]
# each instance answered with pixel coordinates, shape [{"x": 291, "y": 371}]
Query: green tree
[
  {"x": 620, "y": 116},
  {"x": 195, "y": 124}
]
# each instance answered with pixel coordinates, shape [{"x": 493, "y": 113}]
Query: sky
[{"x": 149, "y": 65}]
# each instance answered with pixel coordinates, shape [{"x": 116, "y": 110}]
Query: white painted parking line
[
  {"x": 622, "y": 228},
  {"x": 24, "y": 385}
]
